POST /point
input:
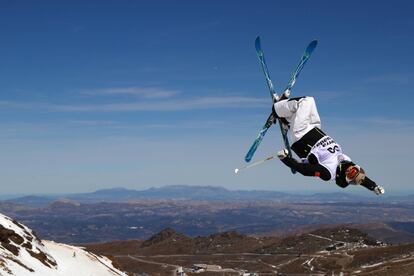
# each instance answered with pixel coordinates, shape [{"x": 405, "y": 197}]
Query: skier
[{"x": 321, "y": 155}]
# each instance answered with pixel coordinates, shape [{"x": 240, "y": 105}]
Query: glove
[
  {"x": 378, "y": 190},
  {"x": 282, "y": 154}
]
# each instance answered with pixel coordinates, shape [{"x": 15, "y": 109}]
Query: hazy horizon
[{"x": 360, "y": 191}]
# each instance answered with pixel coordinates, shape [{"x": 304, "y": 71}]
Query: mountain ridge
[
  {"x": 339, "y": 250},
  {"x": 23, "y": 253},
  {"x": 208, "y": 193}
]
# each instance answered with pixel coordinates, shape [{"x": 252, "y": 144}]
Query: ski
[
  {"x": 262, "y": 62},
  {"x": 275, "y": 97},
  {"x": 305, "y": 57},
  {"x": 286, "y": 93},
  {"x": 273, "y": 94}
]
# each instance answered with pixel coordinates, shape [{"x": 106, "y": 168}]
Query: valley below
[{"x": 171, "y": 232}]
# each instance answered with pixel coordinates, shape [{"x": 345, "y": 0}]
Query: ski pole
[{"x": 236, "y": 171}]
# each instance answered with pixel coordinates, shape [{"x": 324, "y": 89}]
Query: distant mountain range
[
  {"x": 122, "y": 214},
  {"x": 200, "y": 193},
  {"x": 70, "y": 221}
]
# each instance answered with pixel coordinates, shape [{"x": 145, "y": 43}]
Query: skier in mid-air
[{"x": 321, "y": 155}]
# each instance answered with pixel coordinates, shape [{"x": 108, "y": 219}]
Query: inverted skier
[{"x": 321, "y": 155}]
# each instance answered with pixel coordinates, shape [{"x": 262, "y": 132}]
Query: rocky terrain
[
  {"x": 327, "y": 251},
  {"x": 73, "y": 222},
  {"x": 23, "y": 253}
]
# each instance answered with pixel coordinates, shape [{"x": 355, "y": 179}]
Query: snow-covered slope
[{"x": 22, "y": 253}]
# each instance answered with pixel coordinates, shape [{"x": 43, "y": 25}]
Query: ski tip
[
  {"x": 313, "y": 44},
  {"x": 250, "y": 154},
  {"x": 257, "y": 44},
  {"x": 311, "y": 47},
  {"x": 252, "y": 150}
]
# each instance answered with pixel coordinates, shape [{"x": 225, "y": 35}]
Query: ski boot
[{"x": 285, "y": 95}]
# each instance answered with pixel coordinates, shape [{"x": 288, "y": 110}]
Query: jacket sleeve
[{"x": 307, "y": 169}]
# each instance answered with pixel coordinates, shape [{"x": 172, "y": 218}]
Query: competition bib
[{"x": 328, "y": 153}]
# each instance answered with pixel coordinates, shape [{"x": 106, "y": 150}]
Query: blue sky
[{"x": 99, "y": 94}]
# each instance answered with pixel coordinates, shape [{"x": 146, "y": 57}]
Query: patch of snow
[
  {"x": 30, "y": 256},
  {"x": 74, "y": 260}
]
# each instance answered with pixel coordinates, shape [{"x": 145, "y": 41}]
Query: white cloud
[
  {"x": 166, "y": 105},
  {"x": 144, "y": 92}
]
